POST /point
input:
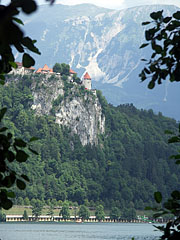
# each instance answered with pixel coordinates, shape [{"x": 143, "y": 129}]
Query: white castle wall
[{"x": 87, "y": 83}]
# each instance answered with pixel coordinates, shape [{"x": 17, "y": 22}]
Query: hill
[{"x": 122, "y": 167}]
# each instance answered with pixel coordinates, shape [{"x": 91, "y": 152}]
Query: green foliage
[
  {"x": 57, "y": 68},
  {"x": 2, "y": 216},
  {"x": 84, "y": 212},
  {"x": 76, "y": 79},
  {"x": 51, "y": 211},
  {"x": 115, "y": 213},
  {"x": 126, "y": 167},
  {"x": 62, "y": 68},
  {"x": 25, "y": 215},
  {"x": 164, "y": 40},
  {"x": 12, "y": 149},
  {"x": 65, "y": 212},
  {"x": 37, "y": 207},
  {"x": 99, "y": 213}
]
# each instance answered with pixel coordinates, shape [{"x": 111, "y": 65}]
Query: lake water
[{"x": 77, "y": 231}]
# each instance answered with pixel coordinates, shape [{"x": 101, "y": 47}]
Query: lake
[{"x": 77, "y": 231}]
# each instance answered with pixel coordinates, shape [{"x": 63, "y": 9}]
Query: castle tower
[{"x": 87, "y": 81}]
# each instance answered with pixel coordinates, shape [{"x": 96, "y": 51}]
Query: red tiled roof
[
  {"x": 30, "y": 68},
  {"x": 46, "y": 68},
  {"x": 72, "y": 71},
  {"x": 39, "y": 70},
  {"x": 86, "y": 76}
]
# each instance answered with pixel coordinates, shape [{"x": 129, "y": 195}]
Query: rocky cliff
[{"x": 71, "y": 104}]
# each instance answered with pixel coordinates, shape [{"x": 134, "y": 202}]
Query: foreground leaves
[
  {"x": 11, "y": 149},
  {"x": 164, "y": 40}
]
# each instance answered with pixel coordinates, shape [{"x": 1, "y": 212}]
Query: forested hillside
[{"x": 130, "y": 162}]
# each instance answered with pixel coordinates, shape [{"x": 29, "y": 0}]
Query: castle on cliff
[{"x": 86, "y": 79}]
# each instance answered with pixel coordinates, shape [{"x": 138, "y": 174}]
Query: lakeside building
[{"x": 47, "y": 218}]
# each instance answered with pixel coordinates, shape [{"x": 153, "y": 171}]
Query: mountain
[
  {"x": 105, "y": 43},
  {"x": 89, "y": 151}
]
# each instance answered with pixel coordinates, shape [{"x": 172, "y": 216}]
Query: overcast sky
[
  {"x": 114, "y": 4},
  {"x": 117, "y": 4}
]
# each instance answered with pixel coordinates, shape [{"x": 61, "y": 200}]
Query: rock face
[
  {"x": 105, "y": 43},
  {"x": 72, "y": 106}
]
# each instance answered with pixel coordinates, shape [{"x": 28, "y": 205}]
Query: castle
[{"x": 86, "y": 80}]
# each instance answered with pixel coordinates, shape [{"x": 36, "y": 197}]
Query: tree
[
  {"x": 25, "y": 215},
  {"x": 164, "y": 64},
  {"x": 84, "y": 212},
  {"x": 2, "y": 216},
  {"x": 57, "y": 68},
  {"x": 65, "y": 213},
  {"x": 37, "y": 207},
  {"x": 99, "y": 212},
  {"x": 65, "y": 69},
  {"x": 51, "y": 211},
  {"x": 115, "y": 213}
]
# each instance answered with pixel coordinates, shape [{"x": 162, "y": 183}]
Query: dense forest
[{"x": 130, "y": 162}]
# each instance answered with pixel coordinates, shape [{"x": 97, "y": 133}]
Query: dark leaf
[
  {"x": 27, "y": 60},
  {"x": 167, "y": 19},
  {"x": 19, "y": 142},
  {"x": 174, "y": 140},
  {"x": 156, "y": 15},
  {"x": 146, "y": 23},
  {"x": 21, "y": 156},
  {"x": 11, "y": 194},
  {"x": 147, "y": 71},
  {"x": 18, "y": 20},
  {"x": 3, "y": 129},
  {"x": 2, "y": 77},
  {"x": 151, "y": 85},
  {"x": 178, "y": 162},
  {"x": 175, "y": 195},
  {"x": 10, "y": 156},
  {"x": 176, "y": 15},
  {"x": 168, "y": 132},
  {"x": 2, "y": 112},
  {"x": 177, "y": 156},
  {"x": 33, "y": 139},
  {"x": 28, "y": 42},
  {"x": 25, "y": 177},
  {"x": 7, "y": 204},
  {"x": 33, "y": 151},
  {"x": 158, "y": 197},
  {"x": 13, "y": 64},
  {"x": 144, "y": 45},
  {"x": 20, "y": 184},
  {"x": 29, "y": 6},
  {"x": 19, "y": 47}
]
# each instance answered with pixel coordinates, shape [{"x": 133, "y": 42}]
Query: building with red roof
[
  {"x": 45, "y": 69},
  {"x": 72, "y": 72},
  {"x": 87, "y": 81}
]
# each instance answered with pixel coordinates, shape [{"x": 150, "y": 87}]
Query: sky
[
  {"x": 116, "y": 4},
  {"x": 113, "y": 4}
]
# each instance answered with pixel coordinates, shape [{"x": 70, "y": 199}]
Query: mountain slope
[{"x": 106, "y": 44}]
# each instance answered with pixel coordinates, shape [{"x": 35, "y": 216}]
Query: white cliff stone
[{"x": 79, "y": 109}]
